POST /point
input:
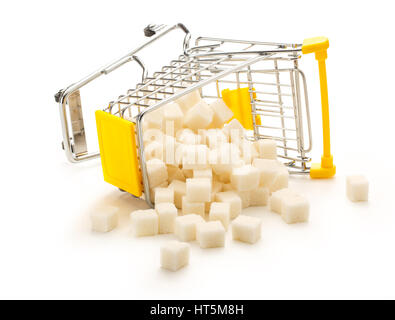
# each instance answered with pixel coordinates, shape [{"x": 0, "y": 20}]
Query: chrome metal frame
[{"x": 210, "y": 61}]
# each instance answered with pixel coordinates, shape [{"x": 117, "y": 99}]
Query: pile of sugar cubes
[{"x": 202, "y": 171}]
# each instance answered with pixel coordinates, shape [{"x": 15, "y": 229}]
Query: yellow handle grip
[{"x": 319, "y": 46}]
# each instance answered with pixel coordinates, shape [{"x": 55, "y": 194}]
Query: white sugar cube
[
  {"x": 172, "y": 113},
  {"x": 234, "y": 130},
  {"x": 210, "y": 234},
  {"x": 215, "y": 138},
  {"x": 199, "y": 116},
  {"x": 157, "y": 172},
  {"x": 170, "y": 146},
  {"x": 167, "y": 214},
  {"x": 207, "y": 205},
  {"x": 154, "y": 119},
  {"x": 189, "y": 100},
  {"x": 276, "y": 199},
  {"x": 222, "y": 113},
  {"x": 152, "y": 190},
  {"x": 187, "y": 136},
  {"x": 220, "y": 211},
  {"x": 152, "y": 135},
  {"x": 153, "y": 150},
  {"x": 104, "y": 219},
  {"x": 185, "y": 227},
  {"x": 259, "y": 197},
  {"x": 195, "y": 157},
  {"x": 192, "y": 207},
  {"x": 174, "y": 255},
  {"x": 273, "y": 174},
  {"x": 357, "y": 188},
  {"x": 246, "y": 229},
  {"x": 198, "y": 190},
  {"x": 175, "y": 173},
  {"x": 267, "y": 148},
  {"x": 164, "y": 195},
  {"x": 144, "y": 222},
  {"x": 233, "y": 199},
  {"x": 245, "y": 178},
  {"x": 248, "y": 151},
  {"x": 179, "y": 188},
  {"x": 295, "y": 209}
]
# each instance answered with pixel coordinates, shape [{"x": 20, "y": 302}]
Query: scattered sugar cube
[
  {"x": 222, "y": 113},
  {"x": 295, "y": 209},
  {"x": 273, "y": 174},
  {"x": 207, "y": 205},
  {"x": 210, "y": 234},
  {"x": 152, "y": 190},
  {"x": 175, "y": 173},
  {"x": 104, "y": 219},
  {"x": 267, "y": 148},
  {"x": 189, "y": 100},
  {"x": 179, "y": 188},
  {"x": 220, "y": 211},
  {"x": 144, "y": 222},
  {"x": 245, "y": 178},
  {"x": 167, "y": 214},
  {"x": 277, "y": 197},
  {"x": 233, "y": 199},
  {"x": 259, "y": 197},
  {"x": 157, "y": 172},
  {"x": 172, "y": 113},
  {"x": 198, "y": 190},
  {"x": 357, "y": 188},
  {"x": 174, "y": 255},
  {"x": 153, "y": 150},
  {"x": 246, "y": 229},
  {"x": 185, "y": 227},
  {"x": 164, "y": 195},
  {"x": 203, "y": 173},
  {"x": 215, "y": 138},
  {"x": 199, "y": 116},
  {"x": 192, "y": 207}
]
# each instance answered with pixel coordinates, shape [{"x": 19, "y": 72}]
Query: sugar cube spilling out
[
  {"x": 192, "y": 207},
  {"x": 167, "y": 214},
  {"x": 189, "y": 100},
  {"x": 198, "y": 190},
  {"x": 233, "y": 199},
  {"x": 210, "y": 234},
  {"x": 199, "y": 116},
  {"x": 164, "y": 195},
  {"x": 245, "y": 178},
  {"x": 144, "y": 222},
  {"x": 295, "y": 209},
  {"x": 104, "y": 219},
  {"x": 222, "y": 113},
  {"x": 174, "y": 255},
  {"x": 277, "y": 197},
  {"x": 267, "y": 148},
  {"x": 185, "y": 227},
  {"x": 179, "y": 188},
  {"x": 246, "y": 229},
  {"x": 220, "y": 211},
  {"x": 157, "y": 172},
  {"x": 357, "y": 188}
]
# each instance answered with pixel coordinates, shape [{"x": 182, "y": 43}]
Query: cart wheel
[{"x": 148, "y": 31}]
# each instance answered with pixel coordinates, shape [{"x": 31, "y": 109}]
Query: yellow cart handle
[{"x": 319, "y": 46}]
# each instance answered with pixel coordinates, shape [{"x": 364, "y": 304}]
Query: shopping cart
[{"x": 269, "y": 86}]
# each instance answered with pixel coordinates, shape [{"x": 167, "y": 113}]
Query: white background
[{"x": 46, "y": 247}]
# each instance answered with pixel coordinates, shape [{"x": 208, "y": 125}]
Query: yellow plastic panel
[
  {"x": 118, "y": 152},
  {"x": 239, "y": 102}
]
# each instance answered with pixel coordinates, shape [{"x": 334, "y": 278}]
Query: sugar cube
[
  {"x": 104, "y": 219},
  {"x": 154, "y": 119},
  {"x": 173, "y": 113},
  {"x": 153, "y": 150},
  {"x": 210, "y": 234},
  {"x": 198, "y": 190},
  {"x": 245, "y": 178},
  {"x": 152, "y": 190},
  {"x": 357, "y": 188},
  {"x": 164, "y": 195},
  {"x": 245, "y": 198},
  {"x": 199, "y": 116},
  {"x": 152, "y": 135},
  {"x": 192, "y": 207},
  {"x": 167, "y": 214},
  {"x": 175, "y": 173},
  {"x": 222, "y": 113},
  {"x": 233, "y": 199},
  {"x": 157, "y": 172},
  {"x": 174, "y": 255},
  {"x": 215, "y": 138},
  {"x": 295, "y": 209},
  {"x": 144, "y": 222},
  {"x": 187, "y": 136},
  {"x": 277, "y": 197},
  {"x": 195, "y": 157},
  {"x": 203, "y": 173},
  {"x": 234, "y": 130},
  {"x": 179, "y": 188},
  {"x": 246, "y": 229},
  {"x": 220, "y": 211},
  {"x": 273, "y": 174},
  {"x": 189, "y": 100},
  {"x": 185, "y": 227}
]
